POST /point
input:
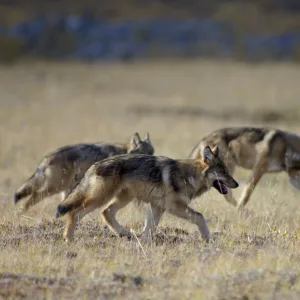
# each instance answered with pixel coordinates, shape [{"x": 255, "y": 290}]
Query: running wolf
[
  {"x": 164, "y": 183},
  {"x": 262, "y": 150},
  {"x": 61, "y": 170}
]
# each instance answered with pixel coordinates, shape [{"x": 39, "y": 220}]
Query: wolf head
[
  {"x": 216, "y": 173},
  {"x": 138, "y": 146}
]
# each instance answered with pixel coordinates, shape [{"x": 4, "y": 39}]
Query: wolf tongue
[
  {"x": 220, "y": 187},
  {"x": 223, "y": 188}
]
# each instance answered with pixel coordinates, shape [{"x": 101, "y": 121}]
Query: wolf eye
[{"x": 225, "y": 171}]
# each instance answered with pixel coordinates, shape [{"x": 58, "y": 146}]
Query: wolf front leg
[
  {"x": 230, "y": 198},
  {"x": 182, "y": 210},
  {"x": 259, "y": 169},
  {"x": 230, "y": 164}
]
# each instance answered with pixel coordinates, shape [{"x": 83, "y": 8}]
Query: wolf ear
[
  {"x": 147, "y": 138},
  {"x": 135, "y": 140},
  {"x": 215, "y": 150},
  {"x": 208, "y": 155}
]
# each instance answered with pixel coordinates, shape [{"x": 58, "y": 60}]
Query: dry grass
[{"x": 43, "y": 106}]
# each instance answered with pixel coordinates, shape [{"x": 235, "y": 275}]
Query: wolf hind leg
[
  {"x": 90, "y": 200},
  {"x": 73, "y": 218}
]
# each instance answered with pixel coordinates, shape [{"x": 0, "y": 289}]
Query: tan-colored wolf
[
  {"x": 164, "y": 183},
  {"x": 61, "y": 170},
  {"x": 261, "y": 150}
]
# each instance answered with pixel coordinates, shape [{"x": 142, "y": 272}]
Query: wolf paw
[
  {"x": 68, "y": 239},
  {"x": 125, "y": 233}
]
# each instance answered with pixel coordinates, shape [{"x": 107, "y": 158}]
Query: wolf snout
[
  {"x": 17, "y": 198},
  {"x": 233, "y": 185}
]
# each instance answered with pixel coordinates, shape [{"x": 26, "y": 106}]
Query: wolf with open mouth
[{"x": 166, "y": 184}]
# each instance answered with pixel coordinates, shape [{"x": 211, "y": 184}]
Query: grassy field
[{"x": 46, "y": 105}]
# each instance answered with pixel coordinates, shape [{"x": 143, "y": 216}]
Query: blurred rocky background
[{"x": 256, "y": 30}]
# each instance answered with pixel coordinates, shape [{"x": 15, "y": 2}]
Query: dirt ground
[{"x": 47, "y": 105}]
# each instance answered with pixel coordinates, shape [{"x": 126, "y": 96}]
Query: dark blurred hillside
[
  {"x": 118, "y": 29},
  {"x": 145, "y": 9}
]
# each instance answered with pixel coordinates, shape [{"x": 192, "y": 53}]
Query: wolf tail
[
  {"x": 33, "y": 183},
  {"x": 74, "y": 200}
]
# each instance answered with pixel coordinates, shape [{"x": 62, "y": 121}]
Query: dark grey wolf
[{"x": 61, "y": 170}]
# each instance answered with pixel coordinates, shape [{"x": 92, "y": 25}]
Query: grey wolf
[
  {"x": 61, "y": 170},
  {"x": 164, "y": 183},
  {"x": 261, "y": 150}
]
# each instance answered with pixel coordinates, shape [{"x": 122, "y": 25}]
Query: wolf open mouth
[{"x": 220, "y": 186}]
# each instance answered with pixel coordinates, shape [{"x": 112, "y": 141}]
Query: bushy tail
[
  {"x": 34, "y": 182},
  {"x": 73, "y": 201}
]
